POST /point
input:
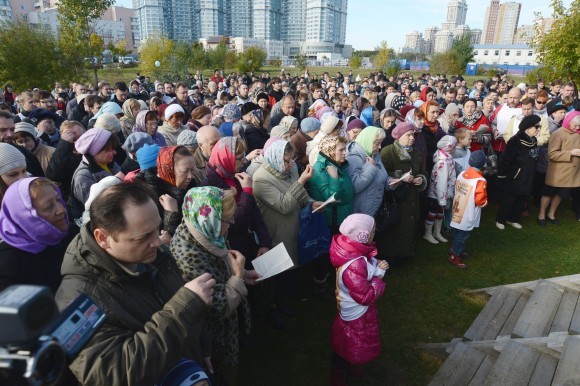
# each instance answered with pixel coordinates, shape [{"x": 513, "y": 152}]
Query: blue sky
[{"x": 371, "y": 21}]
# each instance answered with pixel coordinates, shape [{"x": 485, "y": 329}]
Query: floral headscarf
[
  {"x": 128, "y": 112},
  {"x": 223, "y": 157},
  {"x": 328, "y": 145},
  {"x": 317, "y": 105},
  {"x": 165, "y": 164},
  {"x": 275, "y": 155},
  {"x": 202, "y": 211}
]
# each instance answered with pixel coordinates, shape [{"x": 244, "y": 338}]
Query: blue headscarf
[{"x": 367, "y": 116}]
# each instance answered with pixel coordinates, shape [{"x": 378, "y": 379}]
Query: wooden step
[
  {"x": 568, "y": 371},
  {"x": 544, "y": 371},
  {"x": 575, "y": 322},
  {"x": 483, "y": 370},
  {"x": 565, "y": 311},
  {"x": 514, "y": 366},
  {"x": 460, "y": 367},
  {"x": 494, "y": 315},
  {"x": 538, "y": 314}
]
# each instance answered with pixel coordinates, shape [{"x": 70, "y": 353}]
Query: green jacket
[
  {"x": 152, "y": 320},
  {"x": 321, "y": 186}
]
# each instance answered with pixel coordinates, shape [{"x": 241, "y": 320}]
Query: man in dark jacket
[
  {"x": 153, "y": 318},
  {"x": 7, "y": 136},
  {"x": 182, "y": 99}
]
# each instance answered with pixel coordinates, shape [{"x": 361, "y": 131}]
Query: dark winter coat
[
  {"x": 32, "y": 163},
  {"x": 62, "y": 166},
  {"x": 517, "y": 165},
  {"x": 256, "y": 137}
]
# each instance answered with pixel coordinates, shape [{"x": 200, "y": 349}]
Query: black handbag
[{"x": 388, "y": 214}]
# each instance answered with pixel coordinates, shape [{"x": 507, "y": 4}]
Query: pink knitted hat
[{"x": 358, "y": 227}]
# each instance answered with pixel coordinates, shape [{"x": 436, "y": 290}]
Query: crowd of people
[{"x": 154, "y": 198}]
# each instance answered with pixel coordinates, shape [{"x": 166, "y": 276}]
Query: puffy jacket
[
  {"x": 443, "y": 176},
  {"x": 358, "y": 341},
  {"x": 152, "y": 320},
  {"x": 369, "y": 181}
]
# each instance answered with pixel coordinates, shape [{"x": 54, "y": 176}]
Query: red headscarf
[
  {"x": 424, "y": 93},
  {"x": 432, "y": 126},
  {"x": 223, "y": 159},
  {"x": 165, "y": 164}
]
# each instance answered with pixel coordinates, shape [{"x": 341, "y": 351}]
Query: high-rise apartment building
[
  {"x": 501, "y": 21},
  {"x": 267, "y": 19},
  {"x": 490, "y": 22},
  {"x": 456, "y": 14}
]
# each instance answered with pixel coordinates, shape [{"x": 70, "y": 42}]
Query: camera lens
[{"x": 50, "y": 363}]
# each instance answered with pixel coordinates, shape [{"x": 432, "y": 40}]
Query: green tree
[
  {"x": 445, "y": 62},
  {"x": 180, "y": 59},
  {"x": 29, "y": 56},
  {"x": 77, "y": 19},
  {"x": 355, "y": 62},
  {"x": 198, "y": 56},
  {"x": 383, "y": 55},
  {"x": 558, "y": 50},
  {"x": 275, "y": 62},
  {"x": 156, "y": 51},
  {"x": 463, "y": 51},
  {"x": 301, "y": 60},
  {"x": 251, "y": 59}
]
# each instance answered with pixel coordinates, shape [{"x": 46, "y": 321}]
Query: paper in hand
[
  {"x": 330, "y": 200},
  {"x": 394, "y": 181},
  {"x": 273, "y": 262}
]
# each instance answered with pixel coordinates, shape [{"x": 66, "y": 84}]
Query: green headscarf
[
  {"x": 366, "y": 139},
  {"x": 202, "y": 209}
]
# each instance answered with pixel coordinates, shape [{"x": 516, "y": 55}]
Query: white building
[
  {"x": 443, "y": 41},
  {"x": 505, "y": 54},
  {"x": 507, "y": 23},
  {"x": 414, "y": 43},
  {"x": 456, "y": 14},
  {"x": 274, "y": 48},
  {"x": 5, "y": 11}
]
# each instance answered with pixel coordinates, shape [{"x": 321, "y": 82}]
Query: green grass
[{"x": 424, "y": 302}]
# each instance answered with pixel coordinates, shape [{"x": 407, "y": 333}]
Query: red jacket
[
  {"x": 481, "y": 121},
  {"x": 358, "y": 341}
]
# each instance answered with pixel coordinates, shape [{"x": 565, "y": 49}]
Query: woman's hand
[
  {"x": 165, "y": 237},
  {"x": 253, "y": 154},
  {"x": 237, "y": 261},
  {"x": 251, "y": 276},
  {"x": 417, "y": 181},
  {"x": 245, "y": 180},
  {"x": 332, "y": 171},
  {"x": 371, "y": 161},
  {"x": 306, "y": 175},
  {"x": 168, "y": 203},
  {"x": 408, "y": 179}
]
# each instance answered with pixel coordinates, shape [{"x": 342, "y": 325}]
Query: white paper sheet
[
  {"x": 330, "y": 200},
  {"x": 273, "y": 262},
  {"x": 394, "y": 181}
]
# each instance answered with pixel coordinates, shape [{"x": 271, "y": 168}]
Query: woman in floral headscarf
[
  {"x": 131, "y": 108},
  {"x": 171, "y": 179},
  {"x": 223, "y": 171},
  {"x": 199, "y": 246}
]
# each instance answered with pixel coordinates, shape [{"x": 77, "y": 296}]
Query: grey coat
[{"x": 369, "y": 181}]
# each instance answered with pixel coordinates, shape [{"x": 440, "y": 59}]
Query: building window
[
  {"x": 530, "y": 53},
  {"x": 475, "y": 53},
  {"x": 507, "y": 52},
  {"x": 518, "y": 53},
  {"x": 485, "y": 52},
  {"x": 496, "y": 53}
]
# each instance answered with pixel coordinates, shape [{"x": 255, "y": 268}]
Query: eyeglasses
[
  {"x": 541, "y": 102},
  {"x": 537, "y": 126}
]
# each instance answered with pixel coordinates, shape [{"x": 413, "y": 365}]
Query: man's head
[
  {"x": 287, "y": 104},
  {"x": 532, "y": 91},
  {"x": 121, "y": 91},
  {"x": 93, "y": 103},
  {"x": 45, "y": 101},
  {"x": 243, "y": 90},
  {"x": 26, "y": 100},
  {"x": 6, "y": 127},
  {"x": 207, "y": 137},
  {"x": 450, "y": 95},
  {"x": 568, "y": 90},
  {"x": 125, "y": 223},
  {"x": 316, "y": 90},
  {"x": 135, "y": 85},
  {"x": 527, "y": 106},
  {"x": 514, "y": 96},
  {"x": 181, "y": 90},
  {"x": 541, "y": 100},
  {"x": 276, "y": 84},
  {"x": 80, "y": 89},
  {"x": 168, "y": 88},
  {"x": 71, "y": 130},
  {"x": 105, "y": 89}
]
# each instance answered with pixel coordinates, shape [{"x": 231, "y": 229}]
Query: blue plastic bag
[{"x": 313, "y": 237}]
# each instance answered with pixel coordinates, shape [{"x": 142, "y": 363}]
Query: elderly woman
[
  {"x": 401, "y": 157},
  {"x": 33, "y": 228},
  {"x": 516, "y": 170},
  {"x": 368, "y": 175},
  {"x": 131, "y": 108},
  {"x": 12, "y": 167},
  {"x": 170, "y": 179},
  {"x": 173, "y": 124},
  {"x": 200, "y": 116},
  {"x": 223, "y": 171},
  {"x": 281, "y": 132},
  {"x": 25, "y": 135},
  {"x": 199, "y": 246},
  {"x": 98, "y": 149},
  {"x": 147, "y": 122},
  {"x": 291, "y": 123}
]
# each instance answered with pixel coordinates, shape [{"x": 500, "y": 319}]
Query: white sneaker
[
  {"x": 500, "y": 226},
  {"x": 514, "y": 224},
  {"x": 429, "y": 237}
]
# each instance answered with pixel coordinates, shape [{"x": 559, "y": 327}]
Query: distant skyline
[{"x": 375, "y": 20}]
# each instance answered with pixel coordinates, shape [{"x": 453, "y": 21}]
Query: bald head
[
  {"x": 514, "y": 96},
  {"x": 207, "y": 137}
]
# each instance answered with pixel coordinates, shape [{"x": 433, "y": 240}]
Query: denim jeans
[{"x": 459, "y": 239}]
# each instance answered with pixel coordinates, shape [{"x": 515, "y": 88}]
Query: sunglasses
[{"x": 541, "y": 103}]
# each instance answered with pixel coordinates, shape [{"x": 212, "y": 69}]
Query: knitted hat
[
  {"x": 147, "y": 156},
  {"x": 451, "y": 109},
  {"x": 309, "y": 124},
  {"x": 355, "y": 124},
  {"x": 261, "y": 96},
  {"x": 92, "y": 141},
  {"x": 25, "y": 127},
  {"x": 10, "y": 158},
  {"x": 173, "y": 109},
  {"x": 447, "y": 143},
  {"x": 187, "y": 138},
  {"x": 247, "y": 107},
  {"x": 108, "y": 122},
  {"x": 136, "y": 141},
  {"x": 557, "y": 107},
  {"x": 398, "y": 102},
  {"x": 358, "y": 227},
  {"x": 401, "y": 129},
  {"x": 529, "y": 121},
  {"x": 477, "y": 159},
  {"x": 231, "y": 112}
]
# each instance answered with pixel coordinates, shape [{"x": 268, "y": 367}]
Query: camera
[{"x": 36, "y": 343}]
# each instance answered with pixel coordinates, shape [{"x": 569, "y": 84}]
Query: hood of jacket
[{"x": 343, "y": 249}]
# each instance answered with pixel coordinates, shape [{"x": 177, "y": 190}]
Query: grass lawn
[{"x": 424, "y": 302}]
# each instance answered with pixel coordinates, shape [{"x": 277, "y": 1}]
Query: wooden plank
[
  {"x": 511, "y": 321},
  {"x": 460, "y": 367},
  {"x": 514, "y": 366},
  {"x": 539, "y": 312},
  {"x": 572, "y": 281},
  {"x": 439, "y": 350},
  {"x": 567, "y": 372},
  {"x": 494, "y": 315},
  {"x": 565, "y": 311},
  {"x": 544, "y": 371},
  {"x": 483, "y": 370}
]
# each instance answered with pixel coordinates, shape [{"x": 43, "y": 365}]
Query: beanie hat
[
  {"x": 358, "y": 227},
  {"x": 147, "y": 156},
  {"x": 447, "y": 143},
  {"x": 529, "y": 121},
  {"x": 261, "y": 96},
  {"x": 557, "y": 107},
  {"x": 172, "y": 110},
  {"x": 477, "y": 159},
  {"x": 39, "y": 115},
  {"x": 92, "y": 141},
  {"x": 108, "y": 122},
  {"x": 231, "y": 112},
  {"x": 25, "y": 127},
  {"x": 248, "y": 107},
  {"x": 187, "y": 138},
  {"x": 401, "y": 129},
  {"x": 10, "y": 158},
  {"x": 355, "y": 124},
  {"x": 136, "y": 141},
  {"x": 309, "y": 124}
]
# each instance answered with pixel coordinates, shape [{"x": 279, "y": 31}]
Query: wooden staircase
[{"x": 527, "y": 334}]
